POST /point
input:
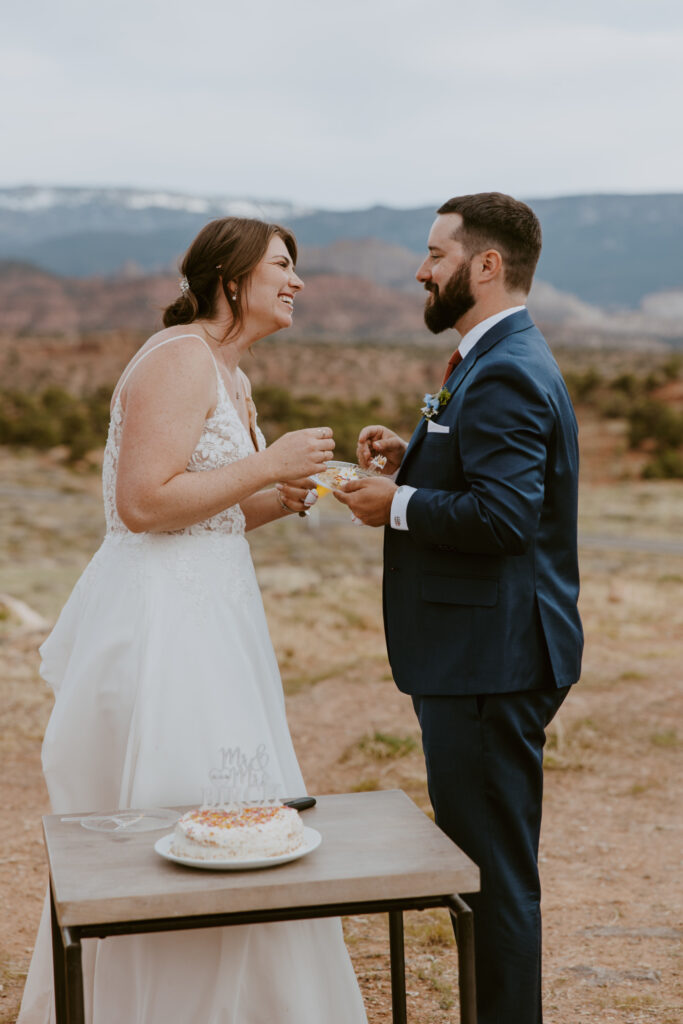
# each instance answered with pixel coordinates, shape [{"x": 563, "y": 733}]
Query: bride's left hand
[{"x": 298, "y": 495}]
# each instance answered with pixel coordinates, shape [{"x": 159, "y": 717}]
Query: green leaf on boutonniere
[{"x": 432, "y": 403}]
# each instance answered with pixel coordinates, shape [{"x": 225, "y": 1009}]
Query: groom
[{"x": 481, "y": 574}]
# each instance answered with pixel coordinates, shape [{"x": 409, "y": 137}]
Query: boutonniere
[{"x": 432, "y": 403}]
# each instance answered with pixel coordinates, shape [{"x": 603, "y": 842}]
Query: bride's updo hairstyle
[{"x": 226, "y": 250}]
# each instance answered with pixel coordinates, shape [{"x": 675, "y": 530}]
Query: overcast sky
[{"x": 344, "y": 104}]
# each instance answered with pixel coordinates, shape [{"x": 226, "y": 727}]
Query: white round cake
[{"x": 248, "y": 833}]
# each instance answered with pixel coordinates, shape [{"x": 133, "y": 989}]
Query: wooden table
[{"x": 379, "y": 854}]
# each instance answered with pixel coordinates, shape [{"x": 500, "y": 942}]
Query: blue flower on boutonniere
[{"x": 432, "y": 403}]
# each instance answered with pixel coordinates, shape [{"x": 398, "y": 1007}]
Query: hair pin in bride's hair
[{"x": 184, "y": 284}]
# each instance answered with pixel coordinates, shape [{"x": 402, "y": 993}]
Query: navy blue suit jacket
[{"x": 480, "y": 593}]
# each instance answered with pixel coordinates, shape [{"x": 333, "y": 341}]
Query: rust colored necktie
[{"x": 452, "y": 363}]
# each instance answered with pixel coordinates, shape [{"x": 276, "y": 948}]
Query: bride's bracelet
[
  {"x": 285, "y": 507},
  {"x": 281, "y": 501}
]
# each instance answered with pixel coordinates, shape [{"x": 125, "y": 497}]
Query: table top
[{"x": 375, "y": 846}]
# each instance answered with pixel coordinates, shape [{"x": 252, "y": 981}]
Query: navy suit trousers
[{"x": 484, "y": 757}]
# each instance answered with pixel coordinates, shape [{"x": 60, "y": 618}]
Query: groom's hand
[
  {"x": 369, "y": 500},
  {"x": 379, "y": 440}
]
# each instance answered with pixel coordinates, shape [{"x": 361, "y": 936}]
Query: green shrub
[
  {"x": 279, "y": 412},
  {"x": 54, "y": 417},
  {"x": 666, "y": 465},
  {"x": 650, "y": 419},
  {"x": 582, "y": 386},
  {"x": 56, "y": 401},
  {"x": 98, "y": 405},
  {"x": 652, "y": 381},
  {"x": 673, "y": 366},
  {"x": 25, "y": 421},
  {"x": 628, "y": 384},
  {"x": 615, "y": 406}
]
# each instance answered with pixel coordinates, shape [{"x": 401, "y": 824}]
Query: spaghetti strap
[{"x": 176, "y": 337}]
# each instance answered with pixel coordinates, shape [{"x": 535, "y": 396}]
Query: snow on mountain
[{"x": 37, "y": 199}]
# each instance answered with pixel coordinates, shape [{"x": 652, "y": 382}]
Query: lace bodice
[{"x": 224, "y": 439}]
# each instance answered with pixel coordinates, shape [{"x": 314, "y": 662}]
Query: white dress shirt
[{"x": 399, "y": 505}]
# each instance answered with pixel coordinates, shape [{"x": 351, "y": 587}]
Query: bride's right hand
[{"x": 301, "y": 453}]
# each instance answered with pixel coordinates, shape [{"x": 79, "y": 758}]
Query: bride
[{"x": 161, "y": 655}]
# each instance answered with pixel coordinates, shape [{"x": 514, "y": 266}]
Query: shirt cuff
[{"x": 399, "y": 507}]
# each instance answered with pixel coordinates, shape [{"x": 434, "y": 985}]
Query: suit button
[{"x": 392, "y": 568}]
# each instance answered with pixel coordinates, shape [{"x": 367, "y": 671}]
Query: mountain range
[{"x": 614, "y": 252}]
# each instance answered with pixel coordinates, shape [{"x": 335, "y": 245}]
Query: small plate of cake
[
  {"x": 336, "y": 474},
  {"x": 225, "y": 839}
]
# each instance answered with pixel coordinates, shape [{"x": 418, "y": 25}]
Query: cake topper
[{"x": 241, "y": 780}]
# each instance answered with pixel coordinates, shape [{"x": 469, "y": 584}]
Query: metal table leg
[
  {"x": 58, "y": 964},
  {"x": 398, "y": 967},
  {"x": 67, "y": 970},
  {"x": 464, "y": 936},
  {"x": 74, "y": 977}
]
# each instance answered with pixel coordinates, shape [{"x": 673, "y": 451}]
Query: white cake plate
[{"x": 312, "y": 840}]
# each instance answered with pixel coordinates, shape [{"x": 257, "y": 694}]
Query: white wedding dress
[{"x": 160, "y": 657}]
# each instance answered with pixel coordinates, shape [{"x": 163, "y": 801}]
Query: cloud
[{"x": 341, "y": 105}]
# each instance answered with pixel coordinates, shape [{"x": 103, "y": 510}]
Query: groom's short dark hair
[{"x": 492, "y": 220}]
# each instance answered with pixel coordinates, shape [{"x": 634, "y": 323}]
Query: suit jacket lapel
[
  {"x": 418, "y": 434},
  {"x": 520, "y": 321},
  {"x": 453, "y": 382}
]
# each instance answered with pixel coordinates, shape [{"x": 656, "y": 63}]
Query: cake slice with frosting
[{"x": 245, "y": 833}]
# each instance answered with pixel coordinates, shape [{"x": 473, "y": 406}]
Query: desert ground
[{"x": 611, "y": 842}]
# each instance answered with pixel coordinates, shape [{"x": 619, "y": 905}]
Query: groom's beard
[{"x": 444, "y": 308}]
